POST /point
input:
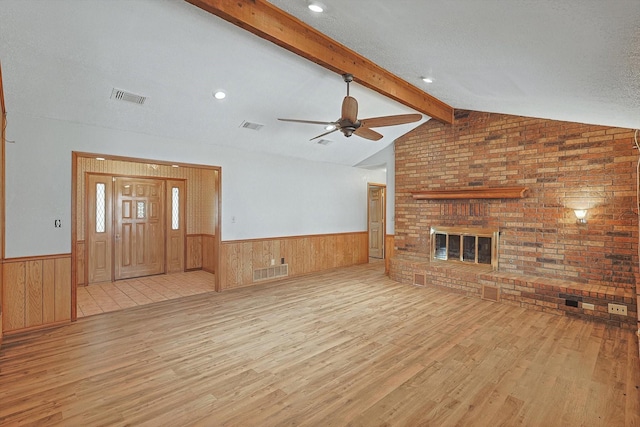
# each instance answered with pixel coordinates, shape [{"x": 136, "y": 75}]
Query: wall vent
[
  {"x": 249, "y": 125},
  {"x": 490, "y": 293},
  {"x": 122, "y": 95},
  {"x": 324, "y": 142},
  {"x": 419, "y": 279},
  {"x": 271, "y": 272}
]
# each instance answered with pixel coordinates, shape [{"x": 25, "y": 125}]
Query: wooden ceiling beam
[{"x": 268, "y": 22}]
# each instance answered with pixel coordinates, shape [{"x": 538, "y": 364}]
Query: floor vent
[
  {"x": 490, "y": 293},
  {"x": 272, "y": 272},
  {"x": 419, "y": 279},
  {"x": 122, "y": 95},
  {"x": 252, "y": 126}
]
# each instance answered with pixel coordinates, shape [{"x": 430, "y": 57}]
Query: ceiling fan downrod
[{"x": 348, "y": 78}]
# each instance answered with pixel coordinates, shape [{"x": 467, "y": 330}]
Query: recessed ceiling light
[
  {"x": 427, "y": 79},
  {"x": 315, "y": 7},
  {"x": 219, "y": 95},
  {"x": 329, "y": 127}
]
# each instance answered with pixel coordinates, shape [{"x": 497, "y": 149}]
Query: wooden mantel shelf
[{"x": 471, "y": 193}]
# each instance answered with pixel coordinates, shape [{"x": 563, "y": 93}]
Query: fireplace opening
[{"x": 465, "y": 245}]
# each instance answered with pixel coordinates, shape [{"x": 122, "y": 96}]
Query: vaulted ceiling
[{"x": 576, "y": 60}]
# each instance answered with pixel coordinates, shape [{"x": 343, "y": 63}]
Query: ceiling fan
[{"x": 349, "y": 124}]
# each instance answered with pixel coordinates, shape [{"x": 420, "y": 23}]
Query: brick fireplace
[{"x": 546, "y": 260}]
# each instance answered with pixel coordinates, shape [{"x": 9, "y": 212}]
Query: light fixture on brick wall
[{"x": 581, "y": 214}]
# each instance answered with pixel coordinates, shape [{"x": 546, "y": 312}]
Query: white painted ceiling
[{"x": 576, "y": 60}]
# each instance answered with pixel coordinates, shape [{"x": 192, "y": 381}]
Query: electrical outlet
[
  {"x": 618, "y": 309},
  {"x": 273, "y": 261}
]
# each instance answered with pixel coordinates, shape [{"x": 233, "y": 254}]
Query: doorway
[
  {"x": 376, "y": 213},
  {"x": 136, "y": 217}
]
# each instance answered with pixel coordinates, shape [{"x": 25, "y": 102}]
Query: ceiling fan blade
[
  {"x": 375, "y": 122},
  {"x": 326, "y": 133},
  {"x": 350, "y": 109},
  {"x": 311, "y": 122},
  {"x": 367, "y": 133}
]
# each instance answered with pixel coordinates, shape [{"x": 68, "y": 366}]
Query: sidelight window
[
  {"x": 175, "y": 208},
  {"x": 101, "y": 207}
]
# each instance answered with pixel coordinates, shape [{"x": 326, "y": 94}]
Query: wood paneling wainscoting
[
  {"x": 389, "y": 250},
  {"x": 303, "y": 254},
  {"x": 81, "y": 278},
  {"x": 36, "y": 292},
  {"x": 201, "y": 252},
  {"x": 194, "y": 252},
  {"x": 209, "y": 253}
]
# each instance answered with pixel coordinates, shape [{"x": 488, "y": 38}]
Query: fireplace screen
[{"x": 466, "y": 245}]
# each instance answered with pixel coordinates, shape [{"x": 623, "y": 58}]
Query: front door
[
  {"x": 139, "y": 227},
  {"x": 376, "y": 221}
]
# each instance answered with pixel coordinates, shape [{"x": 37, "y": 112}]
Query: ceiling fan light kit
[{"x": 349, "y": 124}]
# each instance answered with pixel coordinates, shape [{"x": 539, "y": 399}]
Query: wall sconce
[{"x": 581, "y": 214}]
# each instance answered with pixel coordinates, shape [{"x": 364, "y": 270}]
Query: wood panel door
[
  {"x": 176, "y": 202},
  {"x": 139, "y": 227},
  {"x": 376, "y": 227},
  {"x": 99, "y": 231}
]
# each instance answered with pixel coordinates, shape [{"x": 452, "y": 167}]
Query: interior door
[
  {"x": 376, "y": 221},
  {"x": 139, "y": 227}
]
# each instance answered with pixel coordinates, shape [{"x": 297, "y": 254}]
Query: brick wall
[{"x": 565, "y": 166}]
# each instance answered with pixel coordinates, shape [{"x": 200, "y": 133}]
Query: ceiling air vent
[
  {"x": 122, "y": 95},
  {"x": 324, "y": 142},
  {"x": 253, "y": 126}
]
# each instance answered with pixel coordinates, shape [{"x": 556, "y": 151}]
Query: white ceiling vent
[
  {"x": 253, "y": 126},
  {"x": 324, "y": 142},
  {"x": 122, "y": 95}
]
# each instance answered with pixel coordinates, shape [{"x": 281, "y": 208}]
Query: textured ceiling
[{"x": 575, "y": 60}]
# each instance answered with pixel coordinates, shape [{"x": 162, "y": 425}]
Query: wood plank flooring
[
  {"x": 111, "y": 296},
  {"x": 345, "y": 347}
]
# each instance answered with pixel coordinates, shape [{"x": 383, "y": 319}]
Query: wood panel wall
[
  {"x": 209, "y": 253},
  {"x": 303, "y": 254},
  {"x": 37, "y": 292},
  {"x": 80, "y": 263},
  {"x": 389, "y": 241},
  {"x": 193, "y": 260}
]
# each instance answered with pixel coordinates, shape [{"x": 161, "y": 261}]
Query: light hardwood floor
[
  {"x": 347, "y": 346},
  {"x": 111, "y": 296}
]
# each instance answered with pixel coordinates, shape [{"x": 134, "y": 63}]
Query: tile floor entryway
[{"x": 111, "y": 296}]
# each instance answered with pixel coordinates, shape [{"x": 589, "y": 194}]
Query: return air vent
[
  {"x": 490, "y": 293},
  {"x": 272, "y": 272},
  {"x": 249, "y": 125},
  {"x": 122, "y": 95}
]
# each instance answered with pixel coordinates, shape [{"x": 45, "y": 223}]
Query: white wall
[{"x": 267, "y": 196}]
